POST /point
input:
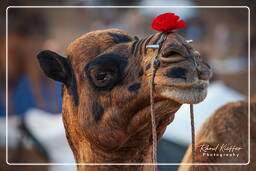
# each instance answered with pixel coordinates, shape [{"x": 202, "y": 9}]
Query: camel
[
  {"x": 106, "y": 101},
  {"x": 228, "y": 126}
]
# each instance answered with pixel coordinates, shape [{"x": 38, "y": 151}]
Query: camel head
[{"x": 106, "y": 79}]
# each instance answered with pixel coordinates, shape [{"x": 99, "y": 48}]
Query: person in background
[{"x": 27, "y": 87}]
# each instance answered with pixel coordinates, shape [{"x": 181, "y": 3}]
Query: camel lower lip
[
  {"x": 189, "y": 95},
  {"x": 200, "y": 86}
]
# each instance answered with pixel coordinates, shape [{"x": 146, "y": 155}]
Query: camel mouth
[
  {"x": 200, "y": 84},
  {"x": 185, "y": 93}
]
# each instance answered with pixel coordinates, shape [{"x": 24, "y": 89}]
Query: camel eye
[
  {"x": 106, "y": 71},
  {"x": 103, "y": 78}
]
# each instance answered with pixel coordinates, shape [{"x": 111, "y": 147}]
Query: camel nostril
[
  {"x": 170, "y": 53},
  {"x": 172, "y": 56},
  {"x": 176, "y": 73}
]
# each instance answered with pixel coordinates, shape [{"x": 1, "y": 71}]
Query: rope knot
[{"x": 156, "y": 63}]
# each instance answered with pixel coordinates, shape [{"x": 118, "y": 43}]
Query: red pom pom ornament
[{"x": 167, "y": 22}]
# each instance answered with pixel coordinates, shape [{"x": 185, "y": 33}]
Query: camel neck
[
  {"x": 95, "y": 155},
  {"x": 115, "y": 141},
  {"x": 137, "y": 149}
]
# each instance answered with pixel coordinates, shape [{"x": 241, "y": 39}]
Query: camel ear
[{"x": 54, "y": 66}]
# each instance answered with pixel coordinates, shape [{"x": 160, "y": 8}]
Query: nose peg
[
  {"x": 189, "y": 41},
  {"x": 153, "y": 46}
]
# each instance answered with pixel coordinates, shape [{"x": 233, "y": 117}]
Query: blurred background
[{"x": 35, "y": 129}]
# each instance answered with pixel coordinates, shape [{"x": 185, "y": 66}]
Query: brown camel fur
[
  {"x": 228, "y": 125},
  {"x": 106, "y": 104}
]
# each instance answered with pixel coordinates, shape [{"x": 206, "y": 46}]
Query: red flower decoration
[{"x": 167, "y": 22}]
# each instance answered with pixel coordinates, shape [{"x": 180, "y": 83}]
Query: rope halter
[{"x": 156, "y": 65}]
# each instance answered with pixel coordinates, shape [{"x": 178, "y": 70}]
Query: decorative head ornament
[{"x": 167, "y": 22}]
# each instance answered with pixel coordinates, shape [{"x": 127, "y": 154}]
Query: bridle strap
[
  {"x": 193, "y": 136},
  {"x": 156, "y": 65}
]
